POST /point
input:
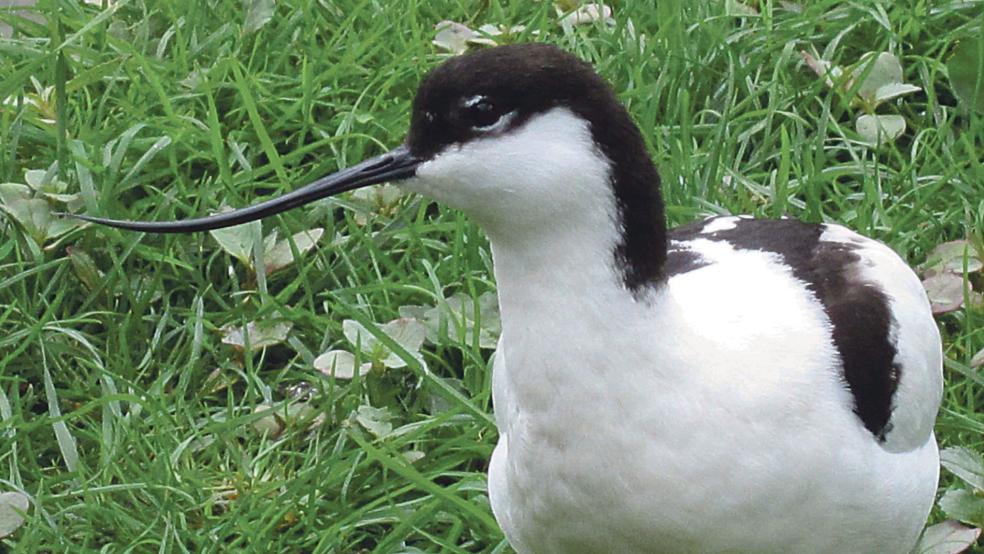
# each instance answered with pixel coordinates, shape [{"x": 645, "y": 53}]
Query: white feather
[{"x": 724, "y": 223}]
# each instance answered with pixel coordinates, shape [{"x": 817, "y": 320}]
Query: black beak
[{"x": 394, "y": 165}]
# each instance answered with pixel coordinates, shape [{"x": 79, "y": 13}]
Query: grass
[{"x": 133, "y": 427}]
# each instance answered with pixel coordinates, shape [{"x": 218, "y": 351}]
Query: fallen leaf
[
  {"x": 963, "y": 505},
  {"x": 978, "y": 360},
  {"x": 279, "y": 255},
  {"x": 587, "y": 14},
  {"x": 966, "y": 71},
  {"x": 258, "y": 14},
  {"x": 950, "y": 256},
  {"x": 949, "y": 537},
  {"x": 261, "y": 334},
  {"x": 374, "y": 420},
  {"x": 340, "y": 364},
  {"x": 360, "y": 337},
  {"x": 85, "y": 268},
  {"x": 412, "y": 456},
  {"x": 965, "y": 464},
  {"x": 494, "y": 30},
  {"x": 877, "y": 129},
  {"x": 31, "y": 213},
  {"x": 416, "y": 312},
  {"x": 456, "y": 312},
  {"x": 945, "y": 292},
  {"x": 823, "y": 68},
  {"x": 893, "y": 90},
  {"x": 483, "y": 36},
  {"x": 12, "y": 505},
  {"x": 739, "y": 9},
  {"x": 407, "y": 332},
  {"x": 452, "y": 36},
  {"x": 876, "y": 71},
  {"x": 238, "y": 240},
  {"x": 269, "y": 424}
]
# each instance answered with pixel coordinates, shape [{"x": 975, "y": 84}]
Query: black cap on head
[{"x": 464, "y": 96}]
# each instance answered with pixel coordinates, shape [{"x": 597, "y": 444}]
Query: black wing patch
[
  {"x": 858, "y": 310},
  {"x": 680, "y": 259}
]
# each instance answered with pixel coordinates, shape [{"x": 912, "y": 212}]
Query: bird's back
[{"x": 887, "y": 346}]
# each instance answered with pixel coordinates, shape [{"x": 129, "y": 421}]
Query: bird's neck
[
  {"x": 569, "y": 259},
  {"x": 567, "y": 279},
  {"x": 567, "y": 319}
]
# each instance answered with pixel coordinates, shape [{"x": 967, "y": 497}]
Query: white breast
[{"x": 709, "y": 417}]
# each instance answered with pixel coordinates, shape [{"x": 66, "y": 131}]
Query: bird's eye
[{"x": 481, "y": 113}]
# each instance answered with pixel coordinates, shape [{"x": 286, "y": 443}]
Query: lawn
[{"x": 354, "y": 412}]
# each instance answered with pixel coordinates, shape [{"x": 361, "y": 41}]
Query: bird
[{"x": 730, "y": 385}]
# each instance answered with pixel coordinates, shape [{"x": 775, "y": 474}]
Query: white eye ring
[
  {"x": 503, "y": 120},
  {"x": 469, "y": 102},
  {"x": 498, "y": 125}
]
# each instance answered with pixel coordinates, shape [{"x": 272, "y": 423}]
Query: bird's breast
[{"x": 657, "y": 419}]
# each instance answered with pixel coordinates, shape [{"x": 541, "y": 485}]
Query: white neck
[
  {"x": 557, "y": 295},
  {"x": 561, "y": 269}
]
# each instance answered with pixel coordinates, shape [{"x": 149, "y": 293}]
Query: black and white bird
[{"x": 733, "y": 385}]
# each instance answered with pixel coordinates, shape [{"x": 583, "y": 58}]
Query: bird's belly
[
  {"x": 572, "y": 478},
  {"x": 581, "y": 498}
]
